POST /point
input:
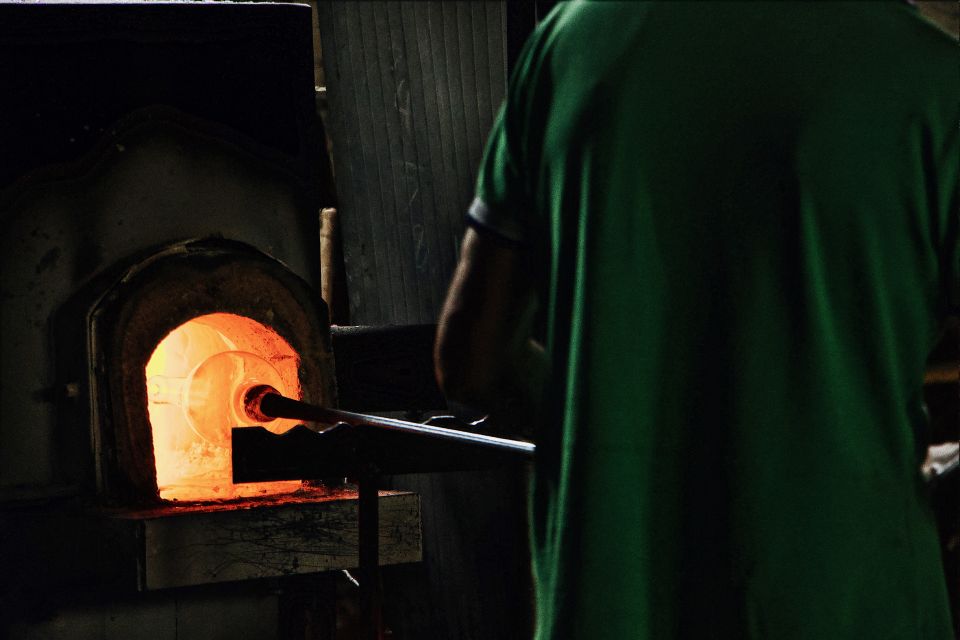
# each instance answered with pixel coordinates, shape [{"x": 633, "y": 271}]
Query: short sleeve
[
  {"x": 501, "y": 192},
  {"x": 504, "y": 193},
  {"x": 501, "y": 184}
]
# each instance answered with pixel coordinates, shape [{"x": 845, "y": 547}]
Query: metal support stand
[{"x": 369, "y": 534}]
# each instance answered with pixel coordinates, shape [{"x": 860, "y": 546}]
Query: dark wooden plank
[
  {"x": 398, "y": 226},
  {"x": 455, "y": 104},
  {"x": 344, "y": 126},
  {"x": 444, "y": 226},
  {"x": 389, "y": 283},
  {"x": 446, "y": 170},
  {"x": 469, "y": 72},
  {"x": 359, "y": 199},
  {"x": 412, "y": 89},
  {"x": 415, "y": 212}
]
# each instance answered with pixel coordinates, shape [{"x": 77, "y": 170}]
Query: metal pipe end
[{"x": 252, "y": 402}]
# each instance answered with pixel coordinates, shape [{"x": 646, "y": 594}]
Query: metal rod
[{"x": 265, "y": 401}]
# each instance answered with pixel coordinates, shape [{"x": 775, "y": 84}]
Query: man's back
[{"x": 746, "y": 217}]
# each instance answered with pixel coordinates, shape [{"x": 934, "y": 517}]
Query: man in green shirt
[{"x": 739, "y": 225}]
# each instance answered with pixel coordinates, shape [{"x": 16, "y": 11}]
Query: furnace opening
[{"x": 196, "y": 380}]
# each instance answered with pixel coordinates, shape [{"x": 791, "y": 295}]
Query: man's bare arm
[{"x": 484, "y": 357}]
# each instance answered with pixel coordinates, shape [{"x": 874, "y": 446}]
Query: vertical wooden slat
[
  {"x": 418, "y": 210},
  {"x": 427, "y": 120},
  {"x": 468, "y": 86},
  {"x": 345, "y": 125},
  {"x": 455, "y": 104},
  {"x": 431, "y": 36},
  {"x": 389, "y": 285},
  {"x": 399, "y": 143},
  {"x": 481, "y": 62}
]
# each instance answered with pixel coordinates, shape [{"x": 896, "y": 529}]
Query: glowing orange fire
[{"x": 196, "y": 380}]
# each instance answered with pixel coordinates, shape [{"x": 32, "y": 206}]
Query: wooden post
[{"x": 333, "y": 287}]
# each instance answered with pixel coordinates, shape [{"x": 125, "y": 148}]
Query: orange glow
[{"x": 196, "y": 379}]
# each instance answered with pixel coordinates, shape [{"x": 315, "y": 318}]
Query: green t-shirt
[{"x": 743, "y": 221}]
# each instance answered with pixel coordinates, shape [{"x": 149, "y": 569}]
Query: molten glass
[{"x": 197, "y": 380}]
